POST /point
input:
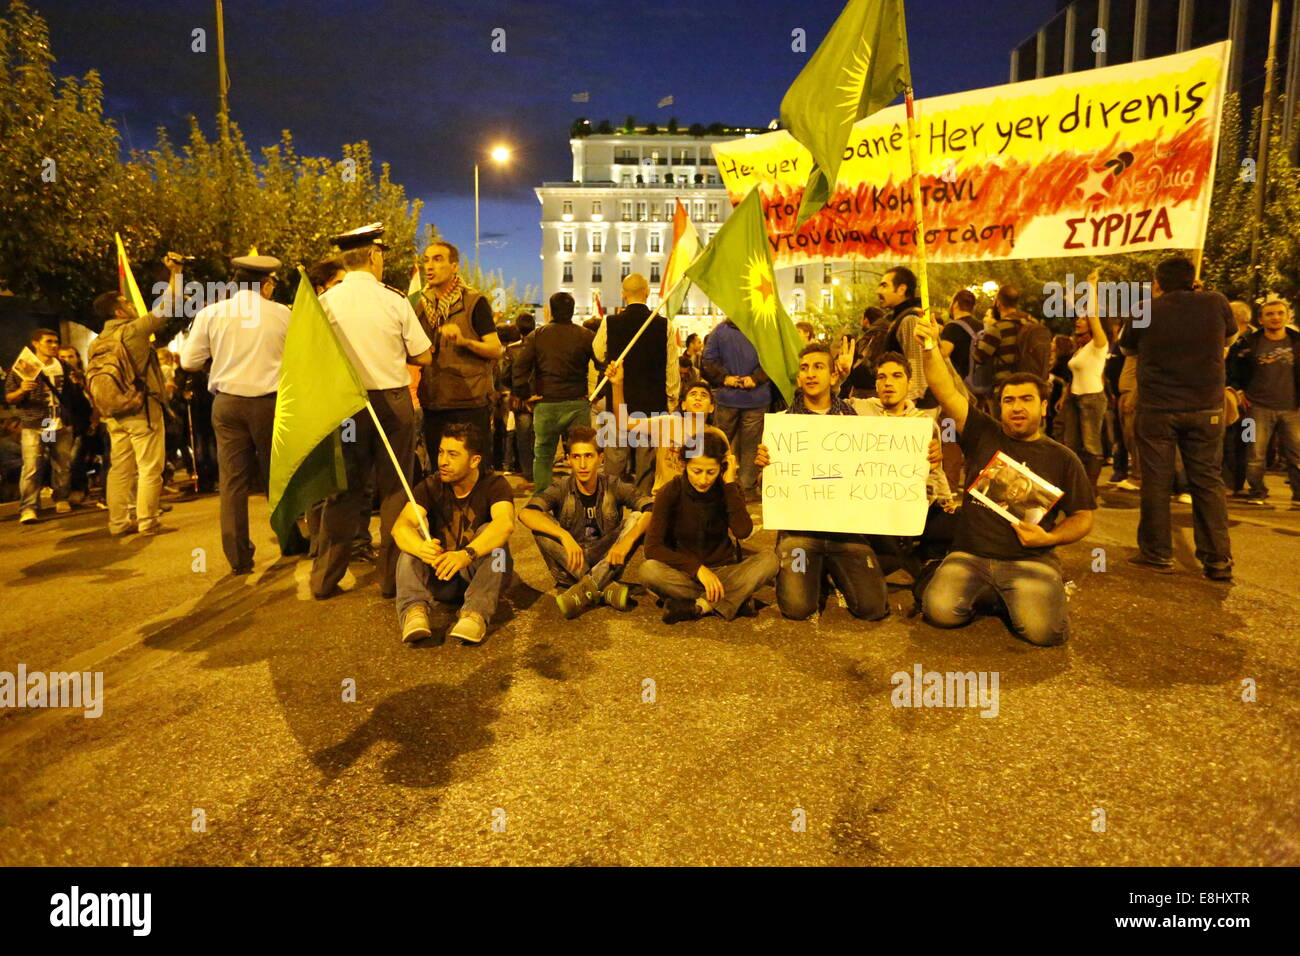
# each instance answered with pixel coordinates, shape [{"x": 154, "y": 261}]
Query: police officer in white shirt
[
  {"x": 243, "y": 335},
  {"x": 380, "y": 335}
]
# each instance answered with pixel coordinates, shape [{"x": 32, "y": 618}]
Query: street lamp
[{"x": 500, "y": 155}]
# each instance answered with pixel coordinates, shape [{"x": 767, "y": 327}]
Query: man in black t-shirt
[
  {"x": 587, "y": 526},
  {"x": 1180, "y": 350},
  {"x": 991, "y": 557},
  {"x": 463, "y": 558}
]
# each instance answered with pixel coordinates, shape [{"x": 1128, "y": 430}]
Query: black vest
[{"x": 645, "y": 382}]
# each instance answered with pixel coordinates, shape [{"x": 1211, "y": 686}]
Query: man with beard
[
  {"x": 993, "y": 559},
  {"x": 465, "y": 559},
  {"x": 457, "y": 386}
]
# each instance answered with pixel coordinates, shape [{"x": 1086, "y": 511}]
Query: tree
[
  {"x": 672, "y": 126},
  {"x": 629, "y": 124},
  {"x": 696, "y": 129},
  {"x": 604, "y": 129},
  {"x": 61, "y": 186},
  {"x": 1227, "y": 247}
]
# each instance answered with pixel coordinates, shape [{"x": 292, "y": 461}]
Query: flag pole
[
  {"x": 923, "y": 284},
  {"x": 644, "y": 325},
  {"x": 406, "y": 486}
]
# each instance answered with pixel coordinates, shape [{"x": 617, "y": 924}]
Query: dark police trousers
[
  {"x": 341, "y": 516},
  {"x": 243, "y": 428}
]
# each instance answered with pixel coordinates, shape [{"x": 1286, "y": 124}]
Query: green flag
[
  {"x": 860, "y": 67},
  {"x": 735, "y": 272},
  {"x": 318, "y": 389}
]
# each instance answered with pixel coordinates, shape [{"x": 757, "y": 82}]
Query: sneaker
[
  {"x": 1125, "y": 485},
  {"x": 618, "y": 596},
  {"x": 470, "y": 629},
  {"x": 1218, "y": 573},
  {"x": 415, "y": 624},
  {"x": 1258, "y": 501},
  {"x": 1183, "y": 499},
  {"x": 680, "y": 609},
  {"x": 62, "y": 507},
  {"x": 28, "y": 517},
  {"x": 578, "y": 598},
  {"x": 1295, "y": 505},
  {"x": 1160, "y": 567}
]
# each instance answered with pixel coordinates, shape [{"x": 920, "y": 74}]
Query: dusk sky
[{"x": 419, "y": 80}]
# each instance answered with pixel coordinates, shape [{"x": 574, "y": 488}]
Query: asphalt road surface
[{"x": 225, "y": 737}]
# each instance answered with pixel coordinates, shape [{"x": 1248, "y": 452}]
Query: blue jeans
[
  {"x": 1198, "y": 438},
  {"x": 850, "y": 564},
  {"x": 1267, "y": 421},
  {"x": 593, "y": 556},
  {"x": 59, "y": 452},
  {"x": 1032, "y": 592},
  {"x": 739, "y": 581},
  {"x": 477, "y": 589},
  {"x": 744, "y": 430}
]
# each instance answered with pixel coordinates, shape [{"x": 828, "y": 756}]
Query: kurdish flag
[
  {"x": 416, "y": 285},
  {"x": 859, "y": 68},
  {"x": 126, "y": 281},
  {"x": 318, "y": 389},
  {"x": 686, "y": 246},
  {"x": 735, "y": 272}
]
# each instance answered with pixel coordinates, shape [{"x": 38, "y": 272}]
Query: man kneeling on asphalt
[
  {"x": 992, "y": 558},
  {"x": 582, "y": 531},
  {"x": 466, "y": 559},
  {"x": 813, "y": 561}
]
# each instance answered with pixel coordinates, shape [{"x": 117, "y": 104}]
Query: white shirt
[
  {"x": 1086, "y": 367},
  {"x": 244, "y": 337},
  {"x": 377, "y": 327}
]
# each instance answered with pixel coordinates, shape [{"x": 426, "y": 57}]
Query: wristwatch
[{"x": 473, "y": 555}]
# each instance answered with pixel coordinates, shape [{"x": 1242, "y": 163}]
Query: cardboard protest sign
[
  {"x": 1118, "y": 159},
  {"x": 846, "y": 473}
]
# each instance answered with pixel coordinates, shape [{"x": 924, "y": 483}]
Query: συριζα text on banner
[{"x": 1118, "y": 159}]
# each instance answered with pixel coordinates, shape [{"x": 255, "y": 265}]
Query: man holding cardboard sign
[
  {"x": 820, "y": 476},
  {"x": 993, "y": 558}
]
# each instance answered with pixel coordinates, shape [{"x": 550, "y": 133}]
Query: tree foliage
[{"x": 65, "y": 189}]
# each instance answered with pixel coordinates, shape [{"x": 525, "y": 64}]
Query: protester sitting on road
[
  {"x": 920, "y": 555},
  {"x": 670, "y": 434},
  {"x": 993, "y": 558},
  {"x": 693, "y": 556},
  {"x": 466, "y": 560},
  {"x": 587, "y": 527},
  {"x": 554, "y": 361}
]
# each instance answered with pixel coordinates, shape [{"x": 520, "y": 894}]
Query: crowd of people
[{"x": 1183, "y": 402}]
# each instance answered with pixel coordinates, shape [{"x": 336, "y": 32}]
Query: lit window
[
  {"x": 595, "y": 272},
  {"x": 625, "y": 270},
  {"x": 713, "y": 212},
  {"x": 568, "y": 210},
  {"x": 798, "y": 274},
  {"x": 566, "y": 242},
  {"x": 654, "y": 272},
  {"x": 626, "y": 209},
  {"x": 595, "y": 211},
  {"x": 641, "y": 212},
  {"x": 568, "y": 272},
  {"x": 654, "y": 241},
  {"x": 597, "y": 242}
]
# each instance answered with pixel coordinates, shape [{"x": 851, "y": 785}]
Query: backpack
[
  {"x": 979, "y": 378},
  {"x": 1034, "y": 349},
  {"x": 112, "y": 382}
]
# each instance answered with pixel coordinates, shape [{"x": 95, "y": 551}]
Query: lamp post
[{"x": 499, "y": 154}]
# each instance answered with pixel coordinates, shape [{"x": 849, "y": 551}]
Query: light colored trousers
[{"x": 135, "y": 476}]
